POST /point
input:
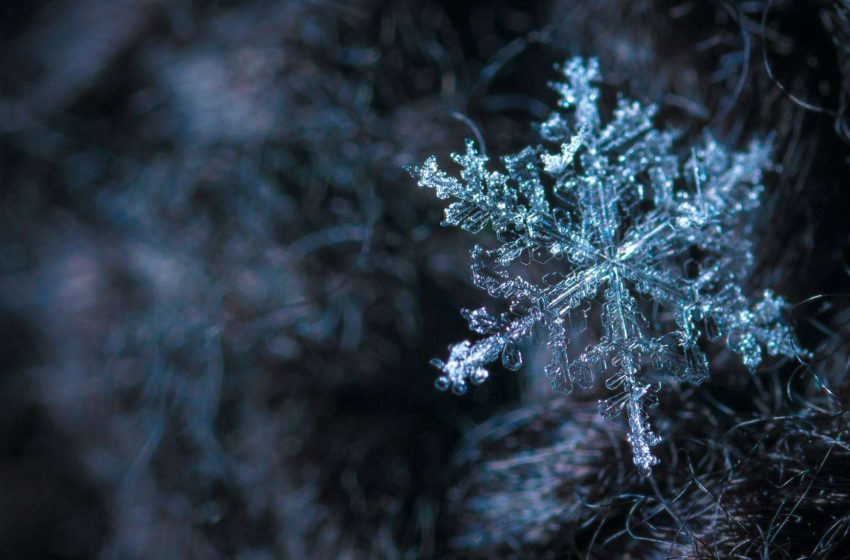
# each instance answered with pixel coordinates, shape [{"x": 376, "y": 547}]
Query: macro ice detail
[{"x": 660, "y": 247}]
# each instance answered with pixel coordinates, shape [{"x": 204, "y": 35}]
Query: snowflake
[{"x": 615, "y": 214}]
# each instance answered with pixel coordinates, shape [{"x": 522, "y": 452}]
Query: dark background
[{"x": 219, "y": 289}]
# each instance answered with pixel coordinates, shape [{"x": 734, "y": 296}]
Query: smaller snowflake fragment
[{"x": 613, "y": 213}]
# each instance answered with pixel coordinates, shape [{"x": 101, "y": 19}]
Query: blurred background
[{"x": 220, "y": 290}]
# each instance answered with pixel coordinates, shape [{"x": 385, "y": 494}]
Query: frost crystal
[{"x": 613, "y": 213}]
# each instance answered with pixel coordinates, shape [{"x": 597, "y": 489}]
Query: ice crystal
[{"x": 613, "y": 212}]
